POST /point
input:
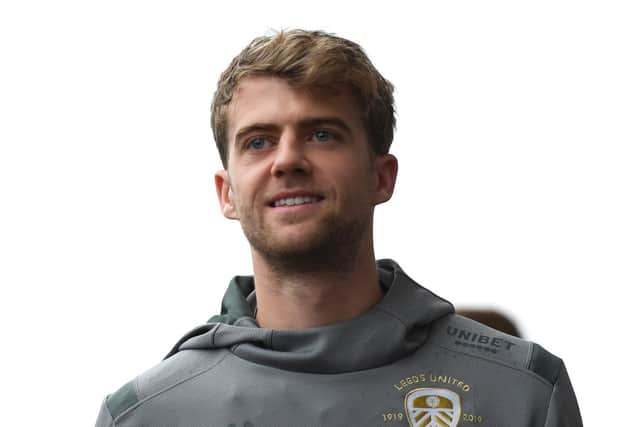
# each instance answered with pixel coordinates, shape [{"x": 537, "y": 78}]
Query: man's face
[{"x": 300, "y": 175}]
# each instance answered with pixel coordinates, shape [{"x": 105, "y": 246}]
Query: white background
[{"x": 518, "y": 139}]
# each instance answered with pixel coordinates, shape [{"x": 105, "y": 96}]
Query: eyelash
[
  {"x": 330, "y": 135},
  {"x": 251, "y": 141}
]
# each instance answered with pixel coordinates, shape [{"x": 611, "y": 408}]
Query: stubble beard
[{"x": 332, "y": 245}]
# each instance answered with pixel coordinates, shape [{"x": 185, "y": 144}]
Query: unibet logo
[{"x": 432, "y": 407}]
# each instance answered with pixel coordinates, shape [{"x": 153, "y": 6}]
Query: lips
[
  {"x": 294, "y": 198},
  {"x": 294, "y": 201}
]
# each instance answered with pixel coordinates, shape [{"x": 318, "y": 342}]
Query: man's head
[
  {"x": 312, "y": 60},
  {"x": 302, "y": 172}
]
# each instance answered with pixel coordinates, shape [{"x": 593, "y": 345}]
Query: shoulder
[
  {"x": 168, "y": 374},
  {"x": 466, "y": 336}
]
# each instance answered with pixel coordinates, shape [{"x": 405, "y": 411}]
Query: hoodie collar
[{"x": 394, "y": 328}]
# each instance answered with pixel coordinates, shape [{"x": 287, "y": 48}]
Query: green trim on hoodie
[
  {"x": 234, "y": 302},
  {"x": 122, "y": 399},
  {"x": 545, "y": 364}
]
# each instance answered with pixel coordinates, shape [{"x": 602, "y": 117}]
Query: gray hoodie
[{"x": 407, "y": 361}]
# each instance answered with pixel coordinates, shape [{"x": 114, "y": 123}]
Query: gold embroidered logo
[{"x": 432, "y": 407}]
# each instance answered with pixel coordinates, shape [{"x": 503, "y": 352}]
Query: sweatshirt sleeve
[
  {"x": 563, "y": 408},
  {"x": 104, "y": 417}
]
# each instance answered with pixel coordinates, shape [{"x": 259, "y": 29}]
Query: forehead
[{"x": 272, "y": 100}]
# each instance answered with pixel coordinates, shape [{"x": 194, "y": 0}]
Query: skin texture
[{"x": 314, "y": 263}]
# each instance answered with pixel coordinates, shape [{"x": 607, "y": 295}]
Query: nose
[{"x": 290, "y": 156}]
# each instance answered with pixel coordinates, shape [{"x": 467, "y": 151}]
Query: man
[{"x": 322, "y": 335}]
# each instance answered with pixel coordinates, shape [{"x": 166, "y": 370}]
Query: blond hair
[{"x": 310, "y": 59}]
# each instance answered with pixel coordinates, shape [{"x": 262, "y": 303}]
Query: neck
[{"x": 310, "y": 297}]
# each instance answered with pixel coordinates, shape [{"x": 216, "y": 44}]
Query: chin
[
  {"x": 327, "y": 242},
  {"x": 296, "y": 245}
]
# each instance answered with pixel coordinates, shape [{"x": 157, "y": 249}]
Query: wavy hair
[{"x": 310, "y": 59}]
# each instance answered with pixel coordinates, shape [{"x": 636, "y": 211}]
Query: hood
[{"x": 393, "y": 329}]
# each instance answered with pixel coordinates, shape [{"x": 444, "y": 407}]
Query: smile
[{"x": 294, "y": 201}]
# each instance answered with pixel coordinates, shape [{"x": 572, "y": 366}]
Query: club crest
[{"x": 432, "y": 407}]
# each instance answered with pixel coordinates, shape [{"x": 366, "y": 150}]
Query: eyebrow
[
  {"x": 324, "y": 121},
  {"x": 256, "y": 127},
  {"x": 306, "y": 123}
]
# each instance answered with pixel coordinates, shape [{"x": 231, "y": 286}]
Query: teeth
[{"x": 292, "y": 201}]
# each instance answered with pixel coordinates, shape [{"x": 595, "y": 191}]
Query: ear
[
  {"x": 386, "y": 172},
  {"x": 225, "y": 194}
]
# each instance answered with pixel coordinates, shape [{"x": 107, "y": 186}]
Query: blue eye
[
  {"x": 258, "y": 143},
  {"x": 323, "y": 136}
]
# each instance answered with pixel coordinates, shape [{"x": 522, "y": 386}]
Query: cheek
[
  {"x": 245, "y": 190},
  {"x": 356, "y": 185}
]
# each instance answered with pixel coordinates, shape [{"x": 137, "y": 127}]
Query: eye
[
  {"x": 258, "y": 143},
  {"x": 323, "y": 136}
]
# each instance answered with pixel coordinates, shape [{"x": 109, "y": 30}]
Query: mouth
[{"x": 294, "y": 200}]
